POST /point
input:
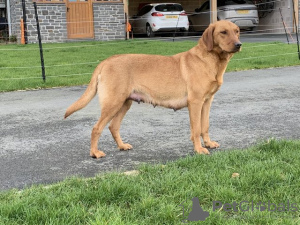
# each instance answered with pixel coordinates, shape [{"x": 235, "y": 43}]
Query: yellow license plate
[
  {"x": 242, "y": 11},
  {"x": 171, "y": 17}
]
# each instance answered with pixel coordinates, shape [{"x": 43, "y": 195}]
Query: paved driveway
[{"x": 38, "y": 146}]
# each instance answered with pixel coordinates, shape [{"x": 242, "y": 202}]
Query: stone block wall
[
  {"x": 53, "y": 24},
  {"x": 109, "y": 21},
  {"x": 16, "y": 15},
  {"x": 52, "y": 19}
]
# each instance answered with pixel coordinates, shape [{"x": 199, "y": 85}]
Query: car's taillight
[
  {"x": 183, "y": 14},
  {"x": 157, "y": 14}
]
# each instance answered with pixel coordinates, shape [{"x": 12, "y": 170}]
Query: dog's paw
[
  {"x": 125, "y": 147},
  {"x": 201, "y": 150},
  {"x": 97, "y": 154},
  {"x": 211, "y": 144}
]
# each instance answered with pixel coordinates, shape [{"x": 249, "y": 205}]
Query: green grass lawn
[
  {"x": 269, "y": 175},
  {"x": 69, "y": 64}
]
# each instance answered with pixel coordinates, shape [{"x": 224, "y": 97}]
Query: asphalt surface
[{"x": 38, "y": 146}]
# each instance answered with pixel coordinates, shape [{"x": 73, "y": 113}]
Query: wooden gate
[{"x": 80, "y": 19}]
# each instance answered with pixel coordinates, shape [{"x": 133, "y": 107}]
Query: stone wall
[
  {"x": 109, "y": 21},
  {"x": 16, "y": 15},
  {"x": 52, "y": 18}
]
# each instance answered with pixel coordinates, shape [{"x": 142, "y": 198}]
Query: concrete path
[{"x": 38, "y": 146}]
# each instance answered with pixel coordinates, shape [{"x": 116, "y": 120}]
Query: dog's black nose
[{"x": 238, "y": 44}]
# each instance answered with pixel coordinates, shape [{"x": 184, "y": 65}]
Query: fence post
[
  {"x": 296, "y": 28},
  {"x": 22, "y": 32},
  {"x": 40, "y": 42},
  {"x": 24, "y": 20}
]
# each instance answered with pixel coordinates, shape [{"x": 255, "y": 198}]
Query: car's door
[
  {"x": 140, "y": 20},
  {"x": 200, "y": 20}
]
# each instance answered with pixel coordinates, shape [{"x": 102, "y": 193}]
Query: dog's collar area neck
[{"x": 221, "y": 54}]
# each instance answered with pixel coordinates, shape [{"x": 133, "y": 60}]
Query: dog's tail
[{"x": 87, "y": 96}]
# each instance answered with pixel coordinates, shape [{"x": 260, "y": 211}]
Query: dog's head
[{"x": 223, "y": 36}]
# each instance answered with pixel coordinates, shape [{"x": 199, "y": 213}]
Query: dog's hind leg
[
  {"x": 115, "y": 124},
  {"x": 108, "y": 112}
]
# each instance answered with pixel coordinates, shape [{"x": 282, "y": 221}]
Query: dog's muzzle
[{"x": 238, "y": 45}]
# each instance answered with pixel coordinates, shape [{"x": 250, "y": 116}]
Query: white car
[
  {"x": 241, "y": 12},
  {"x": 157, "y": 17}
]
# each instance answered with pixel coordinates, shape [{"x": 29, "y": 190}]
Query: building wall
[
  {"x": 52, "y": 18},
  {"x": 15, "y": 16},
  {"x": 109, "y": 21}
]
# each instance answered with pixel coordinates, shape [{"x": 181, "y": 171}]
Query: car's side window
[
  {"x": 144, "y": 10},
  {"x": 205, "y": 6}
]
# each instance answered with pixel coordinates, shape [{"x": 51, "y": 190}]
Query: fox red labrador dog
[{"x": 188, "y": 79}]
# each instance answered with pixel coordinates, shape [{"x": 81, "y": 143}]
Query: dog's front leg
[
  {"x": 205, "y": 124},
  {"x": 195, "y": 108}
]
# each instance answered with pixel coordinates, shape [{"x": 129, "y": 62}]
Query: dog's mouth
[{"x": 233, "y": 49}]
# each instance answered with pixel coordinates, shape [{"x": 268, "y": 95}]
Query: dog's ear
[{"x": 208, "y": 37}]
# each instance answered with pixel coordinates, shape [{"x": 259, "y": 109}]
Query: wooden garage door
[{"x": 80, "y": 19}]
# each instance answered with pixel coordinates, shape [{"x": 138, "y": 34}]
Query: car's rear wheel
[{"x": 149, "y": 31}]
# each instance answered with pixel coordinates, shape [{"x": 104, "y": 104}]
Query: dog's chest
[{"x": 213, "y": 88}]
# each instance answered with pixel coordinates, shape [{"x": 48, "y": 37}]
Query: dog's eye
[
  {"x": 224, "y": 32},
  {"x": 237, "y": 31}
]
